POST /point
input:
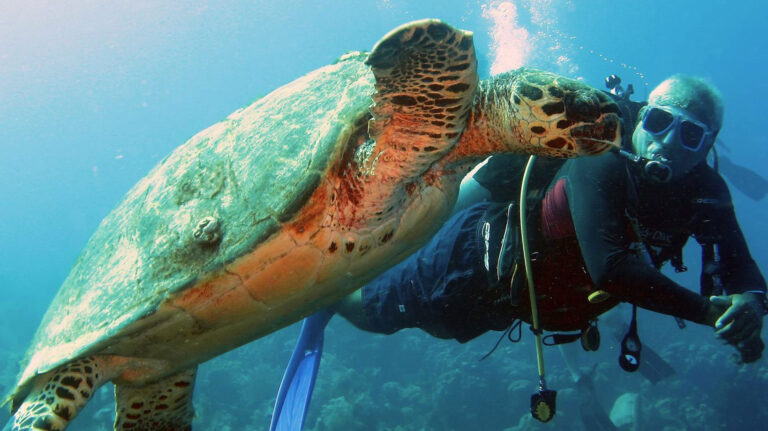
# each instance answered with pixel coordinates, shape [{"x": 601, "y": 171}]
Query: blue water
[{"x": 93, "y": 94}]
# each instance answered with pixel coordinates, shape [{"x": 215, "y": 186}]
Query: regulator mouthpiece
[{"x": 658, "y": 171}]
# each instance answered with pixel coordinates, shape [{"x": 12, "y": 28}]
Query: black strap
[
  {"x": 710, "y": 280},
  {"x": 677, "y": 261},
  {"x": 516, "y": 324}
]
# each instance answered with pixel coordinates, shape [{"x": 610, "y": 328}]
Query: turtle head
[{"x": 557, "y": 116}]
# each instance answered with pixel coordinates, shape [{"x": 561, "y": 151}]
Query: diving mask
[{"x": 691, "y": 133}]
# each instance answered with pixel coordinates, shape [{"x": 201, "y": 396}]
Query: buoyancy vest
[{"x": 563, "y": 284}]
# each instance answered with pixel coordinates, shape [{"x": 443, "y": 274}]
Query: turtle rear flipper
[
  {"x": 162, "y": 406},
  {"x": 57, "y": 397}
]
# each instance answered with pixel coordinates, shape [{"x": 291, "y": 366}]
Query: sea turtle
[{"x": 281, "y": 209}]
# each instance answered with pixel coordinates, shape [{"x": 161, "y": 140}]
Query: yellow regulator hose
[{"x": 543, "y": 403}]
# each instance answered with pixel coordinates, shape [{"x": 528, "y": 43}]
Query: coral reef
[{"x": 409, "y": 381}]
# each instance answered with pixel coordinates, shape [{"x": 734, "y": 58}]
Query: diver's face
[{"x": 673, "y": 136}]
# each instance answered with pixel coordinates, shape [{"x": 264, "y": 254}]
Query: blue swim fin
[{"x": 299, "y": 378}]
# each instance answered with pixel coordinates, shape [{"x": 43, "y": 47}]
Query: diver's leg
[
  {"x": 470, "y": 193},
  {"x": 412, "y": 294},
  {"x": 351, "y": 308}
]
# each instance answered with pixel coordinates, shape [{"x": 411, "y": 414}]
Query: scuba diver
[
  {"x": 603, "y": 227},
  {"x": 600, "y": 228}
]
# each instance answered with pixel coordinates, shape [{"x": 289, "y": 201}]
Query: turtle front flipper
[
  {"x": 57, "y": 397},
  {"x": 165, "y": 405},
  {"x": 426, "y": 76}
]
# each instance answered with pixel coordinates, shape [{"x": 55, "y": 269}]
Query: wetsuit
[{"x": 598, "y": 224}]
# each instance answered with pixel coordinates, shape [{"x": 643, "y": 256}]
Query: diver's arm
[
  {"x": 597, "y": 196},
  {"x": 741, "y": 323},
  {"x": 738, "y": 270},
  {"x": 740, "y": 274}
]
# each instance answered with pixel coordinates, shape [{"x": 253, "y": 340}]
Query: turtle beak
[
  {"x": 599, "y": 136},
  {"x": 598, "y": 120}
]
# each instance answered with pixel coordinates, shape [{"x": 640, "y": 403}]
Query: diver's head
[{"x": 677, "y": 128}]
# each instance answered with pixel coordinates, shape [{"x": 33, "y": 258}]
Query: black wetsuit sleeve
[
  {"x": 597, "y": 196},
  {"x": 718, "y": 225}
]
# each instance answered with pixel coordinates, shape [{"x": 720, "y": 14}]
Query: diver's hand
[
  {"x": 741, "y": 323},
  {"x": 751, "y": 349}
]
